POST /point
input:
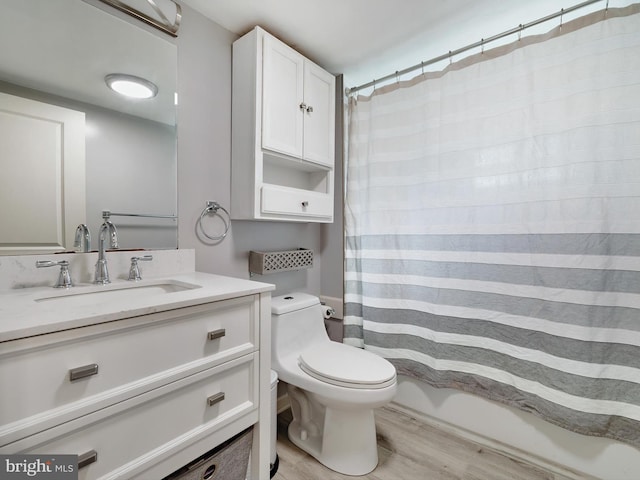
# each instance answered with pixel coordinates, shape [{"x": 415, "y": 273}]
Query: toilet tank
[{"x": 296, "y": 321}]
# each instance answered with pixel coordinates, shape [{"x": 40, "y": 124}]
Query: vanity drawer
[
  {"x": 142, "y": 435},
  {"x": 293, "y": 201},
  {"x": 132, "y": 356}
]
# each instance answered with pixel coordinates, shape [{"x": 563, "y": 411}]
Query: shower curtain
[{"x": 493, "y": 225}]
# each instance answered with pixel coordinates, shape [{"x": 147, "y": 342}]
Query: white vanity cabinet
[
  {"x": 153, "y": 391},
  {"x": 283, "y": 133}
]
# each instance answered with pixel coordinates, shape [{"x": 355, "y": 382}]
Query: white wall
[
  {"x": 480, "y": 418},
  {"x": 204, "y": 165},
  {"x": 204, "y": 123},
  {"x": 136, "y": 174},
  {"x": 332, "y": 278}
]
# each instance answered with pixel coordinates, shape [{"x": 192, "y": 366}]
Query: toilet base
[{"x": 347, "y": 443}]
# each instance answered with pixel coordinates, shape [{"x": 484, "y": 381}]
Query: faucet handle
[
  {"x": 134, "y": 270},
  {"x": 64, "y": 279}
]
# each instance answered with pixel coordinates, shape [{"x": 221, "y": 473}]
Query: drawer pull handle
[
  {"x": 305, "y": 204},
  {"x": 217, "y": 334},
  {"x": 83, "y": 372},
  {"x": 213, "y": 399},
  {"x": 87, "y": 458}
]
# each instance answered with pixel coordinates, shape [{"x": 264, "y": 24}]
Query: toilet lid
[{"x": 347, "y": 366}]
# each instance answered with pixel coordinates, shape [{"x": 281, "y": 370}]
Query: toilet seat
[{"x": 346, "y": 366}]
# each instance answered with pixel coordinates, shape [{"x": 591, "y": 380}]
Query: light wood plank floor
[{"x": 409, "y": 449}]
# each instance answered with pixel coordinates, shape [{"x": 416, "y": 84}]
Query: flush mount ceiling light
[{"x": 131, "y": 86}]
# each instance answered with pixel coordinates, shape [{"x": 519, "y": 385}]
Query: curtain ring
[
  {"x": 561, "y": 14},
  {"x": 482, "y": 46},
  {"x": 449, "y": 57},
  {"x": 606, "y": 8},
  {"x": 422, "y": 65},
  {"x": 520, "y": 32},
  {"x": 214, "y": 207}
]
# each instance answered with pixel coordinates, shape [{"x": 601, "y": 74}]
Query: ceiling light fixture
[{"x": 131, "y": 86}]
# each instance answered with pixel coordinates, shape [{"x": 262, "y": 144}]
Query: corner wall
[
  {"x": 204, "y": 152},
  {"x": 204, "y": 165}
]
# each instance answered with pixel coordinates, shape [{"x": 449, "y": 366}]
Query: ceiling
[
  {"x": 367, "y": 39},
  {"x": 362, "y": 39}
]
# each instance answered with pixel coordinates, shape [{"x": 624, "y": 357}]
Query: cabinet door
[
  {"x": 282, "y": 95},
  {"x": 319, "y": 118}
]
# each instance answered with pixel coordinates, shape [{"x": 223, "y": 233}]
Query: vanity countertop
[{"x": 40, "y": 310}]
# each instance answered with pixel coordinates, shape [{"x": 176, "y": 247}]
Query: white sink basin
[{"x": 87, "y": 295}]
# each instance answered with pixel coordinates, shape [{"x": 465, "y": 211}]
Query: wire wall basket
[{"x": 263, "y": 263}]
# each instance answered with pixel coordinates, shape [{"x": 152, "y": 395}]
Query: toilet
[{"x": 333, "y": 388}]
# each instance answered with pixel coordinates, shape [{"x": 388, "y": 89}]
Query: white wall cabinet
[
  {"x": 283, "y": 133},
  {"x": 166, "y": 388}
]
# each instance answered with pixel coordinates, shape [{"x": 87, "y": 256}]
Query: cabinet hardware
[
  {"x": 305, "y": 204},
  {"x": 217, "y": 334},
  {"x": 217, "y": 398},
  {"x": 210, "y": 472},
  {"x": 134, "y": 269},
  {"x": 87, "y": 458},
  {"x": 309, "y": 109},
  {"x": 303, "y": 106},
  {"x": 83, "y": 372},
  {"x": 64, "y": 278}
]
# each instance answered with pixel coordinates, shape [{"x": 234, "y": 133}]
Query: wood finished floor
[{"x": 409, "y": 449}]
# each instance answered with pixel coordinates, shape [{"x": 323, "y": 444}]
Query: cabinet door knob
[
  {"x": 303, "y": 106},
  {"x": 309, "y": 109},
  {"x": 217, "y": 398},
  {"x": 87, "y": 458},
  {"x": 83, "y": 372},
  {"x": 305, "y": 204}
]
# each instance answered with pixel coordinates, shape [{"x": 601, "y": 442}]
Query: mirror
[{"x": 56, "y": 55}]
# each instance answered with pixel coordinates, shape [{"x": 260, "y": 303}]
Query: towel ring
[{"x": 214, "y": 207}]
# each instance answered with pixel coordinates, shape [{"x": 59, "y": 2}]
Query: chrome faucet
[
  {"x": 107, "y": 229},
  {"x": 83, "y": 238}
]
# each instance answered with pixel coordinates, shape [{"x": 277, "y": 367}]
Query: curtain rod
[{"x": 480, "y": 43}]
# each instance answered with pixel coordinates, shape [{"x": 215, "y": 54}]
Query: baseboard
[{"x": 495, "y": 445}]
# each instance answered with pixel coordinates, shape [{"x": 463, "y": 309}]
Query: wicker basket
[
  {"x": 263, "y": 263},
  {"x": 228, "y": 461}
]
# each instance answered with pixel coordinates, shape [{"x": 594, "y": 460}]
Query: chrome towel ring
[{"x": 212, "y": 208}]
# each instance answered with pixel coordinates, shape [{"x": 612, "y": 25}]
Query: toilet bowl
[{"x": 333, "y": 388}]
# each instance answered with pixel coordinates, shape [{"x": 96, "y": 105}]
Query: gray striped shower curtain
[{"x": 493, "y": 225}]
